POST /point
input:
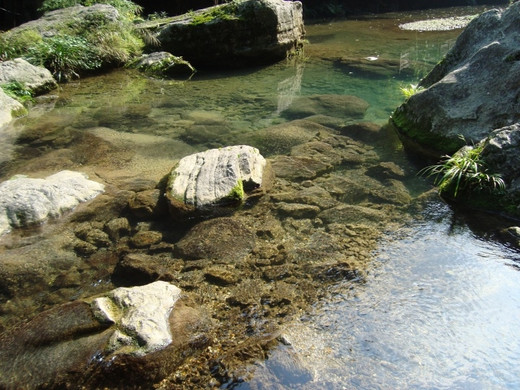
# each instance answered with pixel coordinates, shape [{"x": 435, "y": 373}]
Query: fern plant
[{"x": 464, "y": 171}]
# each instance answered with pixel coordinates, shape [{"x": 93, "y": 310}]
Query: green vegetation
[
  {"x": 410, "y": 90},
  {"x": 466, "y": 172},
  {"x": 126, "y": 8},
  {"x": 17, "y": 91},
  {"x": 225, "y": 12},
  {"x": 237, "y": 192},
  {"x": 78, "y": 45},
  {"x": 64, "y": 55},
  {"x": 12, "y": 46}
]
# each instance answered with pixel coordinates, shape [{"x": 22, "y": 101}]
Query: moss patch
[
  {"x": 237, "y": 192},
  {"x": 225, "y": 12},
  {"x": 416, "y": 131}
]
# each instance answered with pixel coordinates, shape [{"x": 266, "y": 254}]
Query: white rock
[
  {"x": 141, "y": 316},
  {"x": 214, "y": 176},
  {"x": 25, "y": 201}
]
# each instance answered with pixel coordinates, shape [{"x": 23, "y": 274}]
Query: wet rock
[
  {"x": 35, "y": 78},
  {"x": 297, "y": 210},
  {"x": 9, "y": 108},
  {"x": 148, "y": 204},
  {"x": 319, "y": 150},
  {"x": 341, "y": 106},
  {"x": 221, "y": 275},
  {"x": 386, "y": 170},
  {"x": 215, "y": 177},
  {"x": 127, "y": 337},
  {"x": 362, "y": 131},
  {"x": 280, "y": 139},
  {"x": 117, "y": 228},
  {"x": 139, "y": 268},
  {"x": 225, "y": 239},
  {"x": 236, "y": 34},
  {"x": 146, "y": 238},
  {"x": 314, "y": 195},
  {"x": 353, "y": 214},
  {"x": 299, "y": 168},
  {"x": 164, "y": 64},
  {"x": 25, "y": 201}
]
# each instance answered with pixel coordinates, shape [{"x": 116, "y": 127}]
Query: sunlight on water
[{"x": 439, "y": 310}]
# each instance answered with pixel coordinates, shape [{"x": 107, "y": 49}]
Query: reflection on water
[{"x": 439, "y": 310}]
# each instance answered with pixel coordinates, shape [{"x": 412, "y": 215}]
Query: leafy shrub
[
  {"x": 64, "y": 55},
  {"x": 464, "y": 171},
  {"x": 12, "y": 46}
]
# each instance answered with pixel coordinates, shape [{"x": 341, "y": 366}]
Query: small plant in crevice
[
  {"x": 410, "y": 90},
  {"x": 465, "y": 171}
]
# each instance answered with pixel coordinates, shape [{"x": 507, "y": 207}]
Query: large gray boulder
[
  {"x": 26, "y": 201},
  {"x": 245, "y": 32},
  {"x": 472, "y": 91},
  {"x": 127, "y": 338},
  {"x": 35, "y": 78},
  {"x": 215, "y": 177},
  {"x": 9, "y": 108}
]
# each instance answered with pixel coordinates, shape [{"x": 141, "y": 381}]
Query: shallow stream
[{"x": 440, "y": 304}]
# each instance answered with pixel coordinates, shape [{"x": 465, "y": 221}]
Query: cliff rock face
[
  {"x": 235, "y": 34},
  {"x": 472, "y": 91}
]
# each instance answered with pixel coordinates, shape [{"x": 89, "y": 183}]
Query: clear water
[
  {"x": 440, "y": 307},
  {"x": 439, "y": 310}
]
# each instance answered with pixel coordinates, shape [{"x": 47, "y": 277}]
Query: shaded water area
[{"x": 359, "y": 276}]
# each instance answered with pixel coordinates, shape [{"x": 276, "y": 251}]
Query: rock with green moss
[
  {"x": 36, "y": 79},
  {"x": 215, "y": 177},
  {"x": 75, "y": 40},
  {"x": 162, "y": 64},
  {"x": 471, "y": 92},
  {"x": 9, "y": 108},
  {"x": 239, "y": 33},
  {"x": 125, "y": 337}
]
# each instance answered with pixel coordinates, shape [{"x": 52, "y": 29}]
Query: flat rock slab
[
  {"x": 215, "y": 177},
  {"x": 26, "y": 201}
]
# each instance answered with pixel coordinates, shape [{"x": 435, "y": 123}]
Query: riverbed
[{"x": 435, "y": 302}]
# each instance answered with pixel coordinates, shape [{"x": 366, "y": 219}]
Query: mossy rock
[{"x": 164, "y": 64}]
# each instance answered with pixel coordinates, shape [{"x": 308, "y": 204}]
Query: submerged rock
[
  {"x": 25, "y": 201},
  {"x": 340, "y": 106},
  {"x": 239, "y": 33},
  {"x": 37, "y": 79},
  {"x": 215, "y": 177}
]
